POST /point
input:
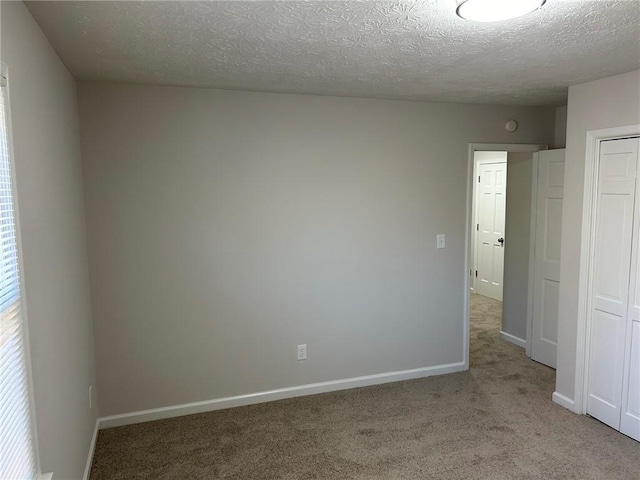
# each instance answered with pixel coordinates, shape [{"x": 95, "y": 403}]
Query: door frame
[
  {"x": 585, "y": 281},
  {"x": 481, "y": 147},
  {"x": 532, "y": 252}
]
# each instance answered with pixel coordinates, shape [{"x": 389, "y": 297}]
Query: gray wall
[
  {"x": 50, "y": 199},
  {"x": 225, "y": 228},
  {"x": 610, "y": 102},
  {"x": 560, "y": 137},
  {"x": 517, "y": 239}
]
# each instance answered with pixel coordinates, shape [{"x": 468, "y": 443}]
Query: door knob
[{"x": 501, "y": 241}]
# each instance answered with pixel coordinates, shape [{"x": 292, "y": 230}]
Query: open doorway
[
  {"x": 503, "y": 188},
  {"x": 488, "y": 232}
]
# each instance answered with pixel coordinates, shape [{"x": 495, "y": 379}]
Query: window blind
[{"x": 16, "y": 445}]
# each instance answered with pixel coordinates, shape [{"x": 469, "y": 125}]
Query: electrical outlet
[
  {"x": 90, "y": 396},
  {"x": 440, "y": 240},
  {"x": 302, "y": 352}
]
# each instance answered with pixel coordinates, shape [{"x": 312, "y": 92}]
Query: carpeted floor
[{"x": 495, "y": 421}]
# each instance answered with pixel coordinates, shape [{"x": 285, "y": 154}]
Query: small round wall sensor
[{"x": 511, "y": 126}]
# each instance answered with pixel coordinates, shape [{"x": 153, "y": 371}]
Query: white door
[
  {"x": 546, "y": 268},
  {"x": 630, "y": 418},
  {"x": 609, "y": 298},
  {"x": 492, "y": 192}
]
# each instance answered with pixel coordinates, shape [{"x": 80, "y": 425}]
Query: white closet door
[
  {"x": 610, "y": 282},
  {"x": 630, "y": 418},
  {"x": 546, "y": 272},
  {"x": 491, "y": 221}
]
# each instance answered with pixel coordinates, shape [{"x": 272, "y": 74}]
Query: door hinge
[
  {"x": 477, "y": 227},
  {"x": 478, "y": 178},
  {"x": 476, "y": 273}
]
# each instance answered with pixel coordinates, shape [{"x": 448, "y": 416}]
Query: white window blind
[{"x": 16, "y": 445}]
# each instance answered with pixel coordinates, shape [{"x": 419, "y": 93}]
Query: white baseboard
[
  {"x": 92, "y": 447},
  {"x": 507, "y": 337},
  {"x": 271, "y": 395},
  {"x": 563, "y": 401}
]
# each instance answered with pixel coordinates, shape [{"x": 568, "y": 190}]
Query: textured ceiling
[{"x": 418, "y": 50}]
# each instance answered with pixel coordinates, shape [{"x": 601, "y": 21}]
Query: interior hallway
[{"x": 495, "y": 421}]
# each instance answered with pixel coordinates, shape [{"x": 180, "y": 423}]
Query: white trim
[
  {"x": 480, "y": 147},
  {"x": 44, "y": 476},
  {"x": 92, "y": 447},
  {"x": 507, "y": 337},
  {"x": 532, "y": 251},
  {"x": 563, "y": 401},
  {"x": 467, "y": 252},
  {"x": 583, "y": 326},
  {"x": 277, "y": 394}
]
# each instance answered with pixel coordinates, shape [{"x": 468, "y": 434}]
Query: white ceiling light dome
[{"x": 496, "y": 10}]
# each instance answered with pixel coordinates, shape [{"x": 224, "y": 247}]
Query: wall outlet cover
[{"x": 302, "y": 352}]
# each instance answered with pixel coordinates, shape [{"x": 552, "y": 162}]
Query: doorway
[
  {"x": 522, "y": 308},
  {"x": 497, "y": 299}
]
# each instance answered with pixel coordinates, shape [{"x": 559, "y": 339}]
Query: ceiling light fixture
[{"x": 496, "y": 10}]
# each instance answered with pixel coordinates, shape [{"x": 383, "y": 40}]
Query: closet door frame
[{"x": 592, "y": 164}]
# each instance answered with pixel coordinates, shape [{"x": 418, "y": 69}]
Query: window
[{"x": 17, "y": 460}]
